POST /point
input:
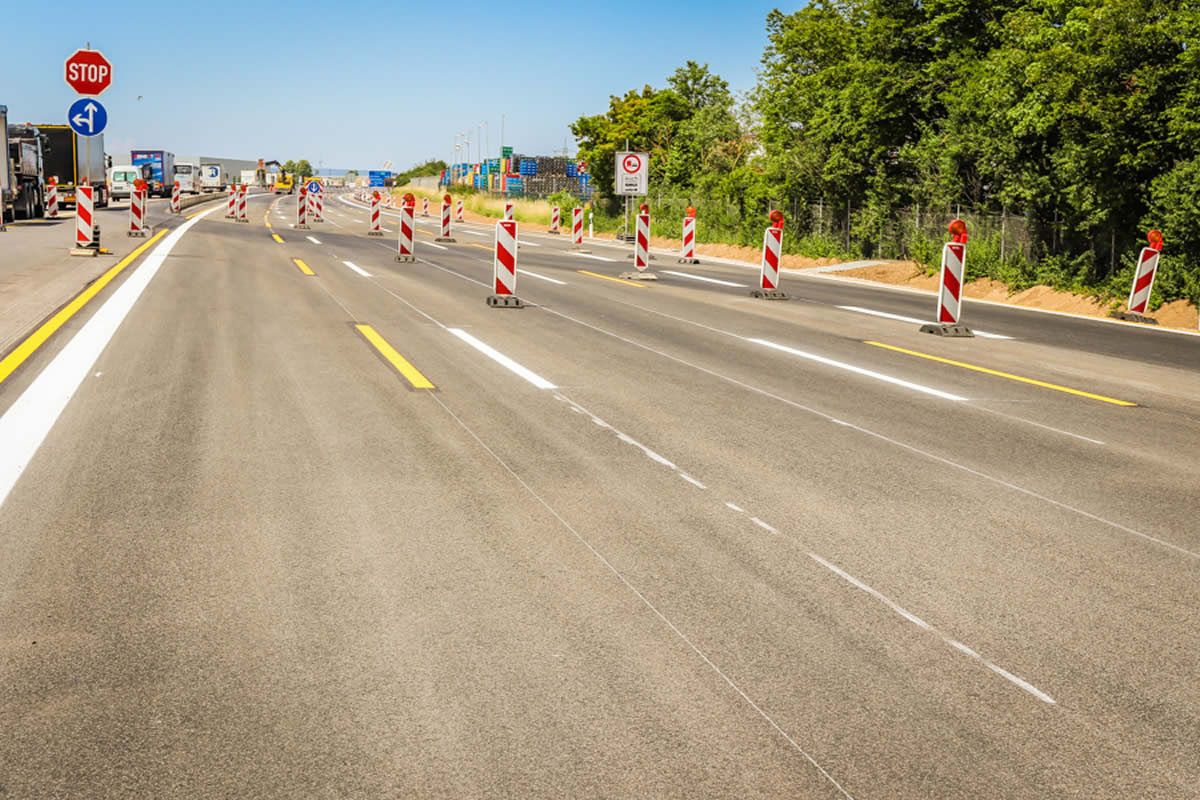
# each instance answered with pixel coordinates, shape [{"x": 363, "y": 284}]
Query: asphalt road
[{"x": 637, "y": 541}]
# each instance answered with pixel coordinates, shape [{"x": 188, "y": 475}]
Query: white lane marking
[
  {"x": 388, "y": 230},
  {"x": 762, "y": 524},
  {"x": 1040, "y": 425},
  {"x": 434, "y": 245},
  {"x": 313, "y": 239},
  {"x": 543, "y": 277},
  {"x": 502, "y": 360},
  {"x": 902, "y": 318},
  {"x": 471, "y": 232},
  {"x": 738, "y": 509},
  {"x": 527, "y": 243},
  {"x": 589, "y": 255},
  {"x": 701, "y": 278},
  {"x": 914, "y": 619},
  {"x": 357, "y": 269},
  {"x": 917, "y": 387},
  {"x": 692, "y": 480},
  {"x": 29, "y": 420}
]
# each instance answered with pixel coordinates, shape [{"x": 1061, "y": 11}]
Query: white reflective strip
[
  {"x": 357, "y": 269},
  {"x": 902, "y": 318},
  {"x": 542, "y": 277},
  {"x": 502, "y": 359},
  {"x": 700, "y": 278}
]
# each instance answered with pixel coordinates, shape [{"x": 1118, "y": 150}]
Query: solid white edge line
[
  {"x": 543, "y": 277},
  {"x": 357, "y": 269},
  {"x": 589, "y": 255},
  {"x": 902, "y": 318},
  {"x": 29, "y": 420},
  {"x": 860, "y": 371},
  {"x": 434, "y": 245},
  {"x": 701, "y": 278},
  {"x": 503, "y": 360}
]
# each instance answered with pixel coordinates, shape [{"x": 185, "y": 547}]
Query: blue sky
[{"x": 353, "y": 83}]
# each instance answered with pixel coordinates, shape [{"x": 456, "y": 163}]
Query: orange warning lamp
[
  {"x": 376, "y": 195},
  {"x": 446, "y": 197},
  {"x": 958, "y": 231},
  {"x": 139, "y": 184},
  {"x": 644, "y": 208},
  {"x": 410, "y": 199},
  {"x": 776, "y": 219},
  {"x": 1155, "y": 238},
  {"x": 691, "y": 211}
]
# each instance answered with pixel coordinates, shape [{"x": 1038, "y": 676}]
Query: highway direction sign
[
  {"x": 314, "y": 187},
  {"x": 88, "y": 72},
  {"x": 378, "y": 176},
  {"x": 633, "y": 173},
  {"x": 87, "y": 117}
]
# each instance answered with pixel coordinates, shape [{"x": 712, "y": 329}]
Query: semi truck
[
  {"x": 21, "y": 178},
  {"x": 71, "y": 160},
  {"x": 162, "y": 169},
  {"x": 212, "y": 178}
]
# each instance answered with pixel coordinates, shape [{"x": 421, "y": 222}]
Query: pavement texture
[{"x": 650, "y": 539}]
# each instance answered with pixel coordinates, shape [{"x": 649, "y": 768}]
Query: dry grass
[{"x": 536, "y": 212}]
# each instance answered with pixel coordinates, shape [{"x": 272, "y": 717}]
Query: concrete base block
[
  {"x": 374, "y": 233},
  {"x": 406, "y": 259},
  {"x": 768, "y": 294},
  {"x": 946, "y": 329},
  {"x": 445, "y": 239},
  {"x": 639, "y": 276},
  {"x": 1130, "y": 316},
  {"x": 688, "y": 261},
  {"x": 504, "y": 301}
]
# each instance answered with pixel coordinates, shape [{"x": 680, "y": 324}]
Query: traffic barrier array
[
  {"x": 302, "y": 210},
  {"x": 404, "y": 238},
  {"x": 373, "y": 228},
  {"x": 137, "y": 212},
  {"x": 445, "y": 237},
  {"x": 687, "y": 250},
  {"x": 175, "y": 198},
  {"x": 458, "y": 211},
  {"x": 950, "y": 285},
  {"x": 231, "y": 211},
  {"x": 554, "y": 219},
  {"x": 52, "y": 200},
  {"x": 241, "y": 204},
  {"x": 504, "y": 267}
]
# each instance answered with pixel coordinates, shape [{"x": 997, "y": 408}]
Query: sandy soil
[{"x": 1176, "y": 314}]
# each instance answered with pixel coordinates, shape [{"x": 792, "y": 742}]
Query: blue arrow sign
[
  {"x": 314, "y": 187},
  {"x": 87, "y": 117}
]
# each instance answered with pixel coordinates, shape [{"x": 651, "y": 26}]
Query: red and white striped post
[
  {"x": 373, "y": 228},
  {"x": 687, "y": 249},
  {"x": 508, "y": 209},
  {"x": 52, "y": 199},
  {"x": 641, "y": 244},
  {"x": 1143, "y": 278},
  {"x": 405, "y": 236},
  {"x": 318, "y": 206},
  {"x": 458, "y": 211},
  {"x": 577, "y": 229},
  {"x": 302, "y": 210},
  {"x": 504, "y": 267},
  {"x": 137, "y": 211},
  {"x": 424, "y": 206},
  {"x": 84, "y": 220},
  {"x": 175, "y": 208},
  {"x": 231, "y": 211},
  {"x": 950, "y": 285},
  {"x": 241, "y": 204},
  {"x": 772, "y": 253},
  {"x": 554, "y": 220},
  {"x": 445, "y": 237}
]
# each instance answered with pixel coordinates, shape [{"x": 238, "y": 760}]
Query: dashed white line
[
  {"x": 434, "y": 245},
  {"x": 313, "y": 239},
  {"x": 738, "y": 509},
  {"x": 700, "y": 278},
  {"x": 357, "y": 269},
  {"x": 902, "y": 318},
  {"x": 916, "y": 387},
  {"x": 691, "y": 480},
  {"x": 502, "y": 360},
  {"x": 589, "y": 255},
  {"x": 542, "y": 277}
]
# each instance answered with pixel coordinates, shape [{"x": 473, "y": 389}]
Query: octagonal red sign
[{"x": 88, "y": 72}]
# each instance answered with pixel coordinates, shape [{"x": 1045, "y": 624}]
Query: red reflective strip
[
  {"x": 1143, "y": 281},
  {"x": 946, "y": 316},
  {"x": 951, "y": 283}
]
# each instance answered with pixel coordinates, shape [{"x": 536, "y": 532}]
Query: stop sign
[{"x": 88, "y": 72}]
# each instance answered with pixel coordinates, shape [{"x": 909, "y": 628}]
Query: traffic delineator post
[
  {"x": 687, "y": 249},
  {"x": 508, "y": 209},
  {"x": 52, "y": 199},
  {"x": 373, "y": 228},
  {"x": 302, "y": 210},
  {"x": 772, "y": 252},
  {"x": 950, "y": 286},
  {"x": 641, "y": 250},
  {"x": 318, "y": 200},
  {"x": 404, "y": 237},
  {"x": 175, "y": 207},
  {"x": 458, "y": 211},
  {"x": 504, "y": 267},
  {"x": 231, "y": 211},
  {"x": 241, "y": 204},
  {"x": 577, "y": 230},
  {"x": 445, "y": 236},
  {"x": 137, "y": 210},
  {"x": 85, "y": 238},
  {"x": 554, "y": 220},
  {"x": 1143, "y": 282},
  {"x": 424, "y": 206}
]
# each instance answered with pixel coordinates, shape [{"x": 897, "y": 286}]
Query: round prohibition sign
[{"x": 631, "y": 164}]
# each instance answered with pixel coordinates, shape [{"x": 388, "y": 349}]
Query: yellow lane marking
[
  {"x": 410, "y": 373},
  {"x": 303, "y": 267},
  {"x": 43, "y": 221},
  {"x": 614, "y": 280},
  {"x": 277, "y": 237},
  {"x": 36, "y": 339},
  {"x": 477, "y": 244},
  {"x": 1008, "y": 375}
]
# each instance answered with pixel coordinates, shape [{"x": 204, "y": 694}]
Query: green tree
[
  {"x": 303, "y": 168},
  {"x": 289, "y": 167}
]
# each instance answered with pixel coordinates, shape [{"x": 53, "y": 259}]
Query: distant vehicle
[
  {"x": 162, "y": 169},
  {"x": 72, "y": 159},
  {"x": 248, "y": 177},
  {"x": 21, "y": 178},
  {"x": 187, "y": 173},
  {"x": 283, "y": 182},
  {"x": 212, "y": 178},
  {"x": 122, "y": 177}
]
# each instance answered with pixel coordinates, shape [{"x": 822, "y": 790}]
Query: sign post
[
  {"x": 87, "y": 72},
  {"x": 632, "y": 178}
]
